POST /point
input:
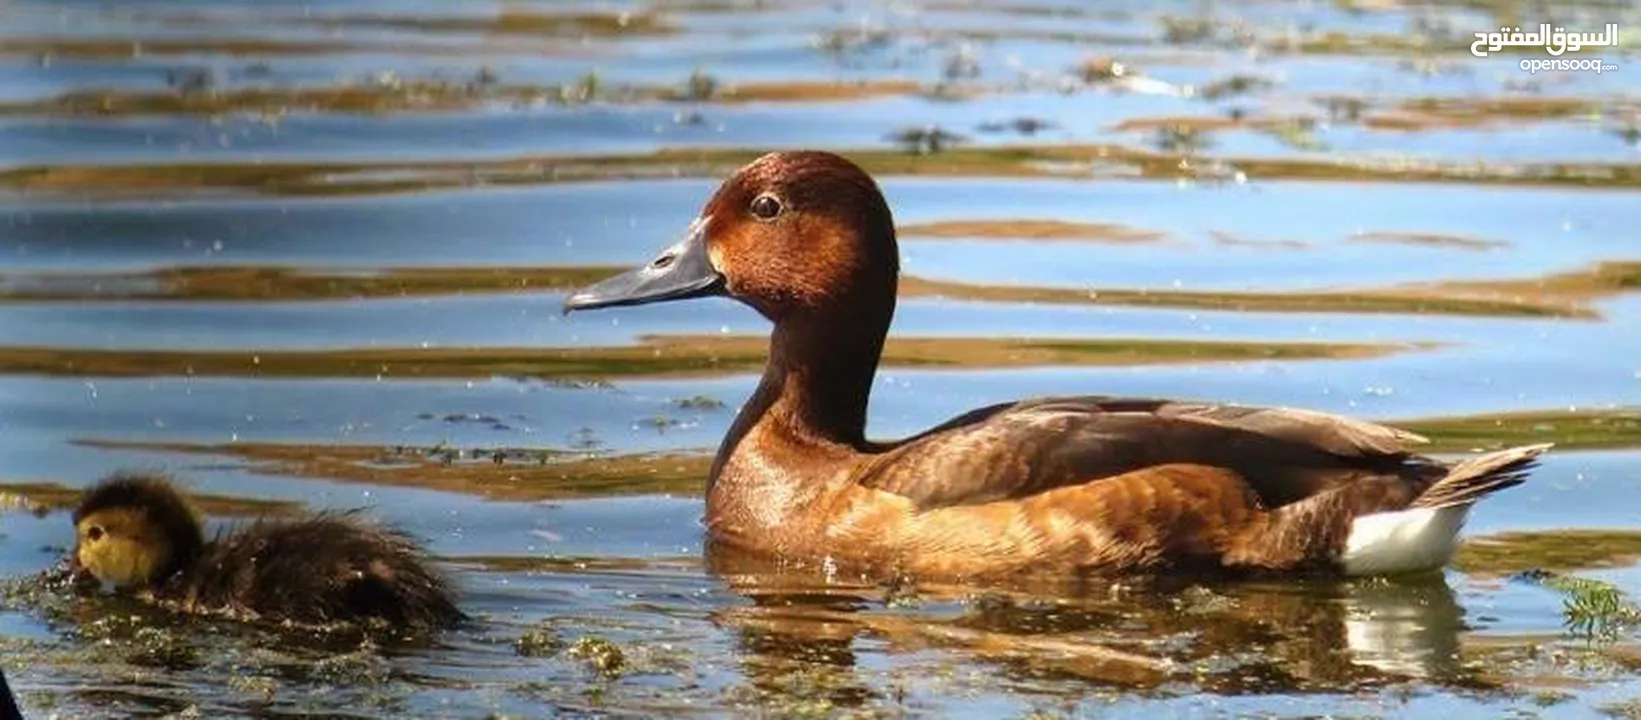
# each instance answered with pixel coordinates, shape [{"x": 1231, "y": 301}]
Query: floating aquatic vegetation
[
  {"x": 313, "y": 178},
  {"x": 1556, "y": 551},
  {"x": 660, "y": 356},
  {"x": 1457, "y": 242},
  {"x": 928, "y": 140},
  {"x": 602, "y": 656},
  {"x": 1564, "y": 294},
  {"x": 1233, "y": 86},
  {"x": 1592, "y": 609},
  {"x": 539, "y": 640},
  {"x": 1181, "y": 138},
  {"x": 1568, "y": 429},
  {"x": 1300, "y": 134},
  {"x": 698, "y": 402},
  {"x": 1027, "y": 126}
]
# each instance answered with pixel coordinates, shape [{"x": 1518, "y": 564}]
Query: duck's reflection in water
[{"x": 1168, "y": 634}]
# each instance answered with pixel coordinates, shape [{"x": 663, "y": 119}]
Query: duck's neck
[{"x": 814, "y": 392}]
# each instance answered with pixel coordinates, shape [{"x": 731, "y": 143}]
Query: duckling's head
[
  {"x": 134, "y": 531},
  {"x": 791, "y": 233}
]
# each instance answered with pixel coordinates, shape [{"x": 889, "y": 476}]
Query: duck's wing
[{"x": 1019, "y": 449}]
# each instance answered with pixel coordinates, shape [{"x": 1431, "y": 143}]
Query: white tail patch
[{"x": 1404, "y": 541}]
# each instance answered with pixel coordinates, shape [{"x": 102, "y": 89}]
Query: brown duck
[{"x": 1092, "y": 485}]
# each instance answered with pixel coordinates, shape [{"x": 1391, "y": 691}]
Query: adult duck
[{"x": 1084, "y": 485}]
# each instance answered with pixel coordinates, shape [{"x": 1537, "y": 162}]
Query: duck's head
[
  {"x": 134, "y": 531},
  {"x": 792, "y": 233}
]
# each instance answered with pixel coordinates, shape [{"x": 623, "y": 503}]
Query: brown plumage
[
  {"x": 139, "y": 533},
  {"x": 1076, "y": 484}
]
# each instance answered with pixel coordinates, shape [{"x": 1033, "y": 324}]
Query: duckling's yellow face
[{"x": 120, "y": 546}]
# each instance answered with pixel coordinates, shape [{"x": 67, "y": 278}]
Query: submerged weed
[
  {"x": 701, "y": 86},
  {"x": 1594, "y": 609},
  {"x": 161, "y": 648},
  {"x": 698, "y": 402},
  {"x": 361, "y": 667}
]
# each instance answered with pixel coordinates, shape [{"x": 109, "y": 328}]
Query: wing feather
[{"x": 1016, "y": 450}]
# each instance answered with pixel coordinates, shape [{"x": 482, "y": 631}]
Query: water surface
[{"x": 1321, "y": 205}]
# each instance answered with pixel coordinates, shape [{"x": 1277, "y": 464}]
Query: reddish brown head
[{"x": 791, "y": 234}]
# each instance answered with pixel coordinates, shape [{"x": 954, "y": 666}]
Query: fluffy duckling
[{"x": 137, "y": 532}]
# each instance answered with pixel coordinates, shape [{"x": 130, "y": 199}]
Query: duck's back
[
  {"x": 1016, "y": 450},
  {"x": 330, "y": 567}
]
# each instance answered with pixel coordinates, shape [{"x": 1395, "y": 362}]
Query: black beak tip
[{"x": 575, "y": 301}]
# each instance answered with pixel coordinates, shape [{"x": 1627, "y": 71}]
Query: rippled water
[{"x": 314, "y": 253}]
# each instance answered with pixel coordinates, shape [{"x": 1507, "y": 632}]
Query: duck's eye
[
  {"x": 94, "y": 533},
  {"x": 766, "y": 207}
]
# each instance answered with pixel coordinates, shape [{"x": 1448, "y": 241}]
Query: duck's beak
[{"x": 682, "y": 271}]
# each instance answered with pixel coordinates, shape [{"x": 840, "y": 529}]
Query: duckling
[{"x": 138, "y": 533}]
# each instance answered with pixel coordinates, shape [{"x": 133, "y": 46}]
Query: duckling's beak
[
  {"x": 682, "y": 271},
  {"x": 71, "y": 574}
]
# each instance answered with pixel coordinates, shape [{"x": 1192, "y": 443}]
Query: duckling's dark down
[{"x": 138, "y": 532}]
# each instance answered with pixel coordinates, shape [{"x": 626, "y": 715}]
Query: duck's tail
[
  {"x": 1481, "y": 476},
  {"x": 1424, "y": 535}
]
